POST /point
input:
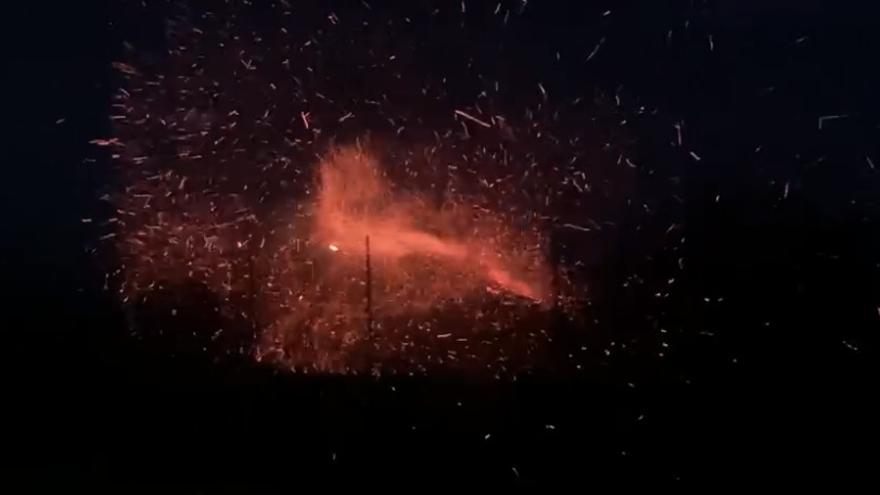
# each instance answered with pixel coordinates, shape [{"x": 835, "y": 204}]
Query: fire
[
  {"x": 306, "y": 283},
  {"x": 355, "y": 201},
  {"x": 424, "y": 257},
  {"x": 219, "y": 195}
]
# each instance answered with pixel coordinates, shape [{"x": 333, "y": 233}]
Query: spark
[
  {"x": 825, "y": 118},
  {"x": 576, "y": 227},
  {"x": 596, "y": 49},
  {"x": 105, "y": 142},
  {"x": 472, "y": 118}
]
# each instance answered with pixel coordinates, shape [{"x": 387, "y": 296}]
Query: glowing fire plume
[
  {"x": 438, "y": 269},
  {"x": 356, "y": 201},
  {"x": 431, "y": 265}
]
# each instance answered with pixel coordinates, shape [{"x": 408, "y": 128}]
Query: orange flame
[
  {"x": 311, "y": 302},
  {"x": 423, "y": 258},
  {"x": 355, "y": 201}
]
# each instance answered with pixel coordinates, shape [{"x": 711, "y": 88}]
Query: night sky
[{"x": 636, "y": 243}]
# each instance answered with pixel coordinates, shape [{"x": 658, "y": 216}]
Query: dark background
[{"x": 782, "y": 392}]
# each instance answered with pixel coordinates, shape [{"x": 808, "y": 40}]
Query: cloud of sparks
[
  {"x": 423, "y": 257},
  {"x": 231, "y": 184},
  {"x": 438, "y": 270}
]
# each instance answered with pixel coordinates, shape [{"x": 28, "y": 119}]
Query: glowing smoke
[
  {"x": 424, "y": 258},
  {"x": 355, "y": 201}
]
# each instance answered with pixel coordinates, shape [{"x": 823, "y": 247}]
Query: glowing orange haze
[
  {"x": 356, "y": 201},
  {"x": 310, "y": 303}
]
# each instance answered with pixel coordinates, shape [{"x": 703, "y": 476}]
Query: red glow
[
  {"x": 355, "y": 201},
  {"x": 304, "y": 271},
  {"x": 423, "y": 257}
]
